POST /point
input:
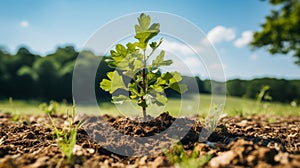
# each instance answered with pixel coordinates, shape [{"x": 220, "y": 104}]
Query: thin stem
[
  {"x": 144, "y": 83},
  {"x": 151, "y": 53}
]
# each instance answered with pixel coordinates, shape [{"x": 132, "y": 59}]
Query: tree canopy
[
  {"x": 25, "y": 75},
  {"x": 280, "y": 33}
]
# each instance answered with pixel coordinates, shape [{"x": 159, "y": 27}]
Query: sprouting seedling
[
  {"x": 51, "y": 108},
  {"x": 181, "y": 158},
  {"x": 147, "y": 82},
  {"x": 66, "y": 137},
  {"x": 16, "y": 114},
  {"x": 211, "y": 121},
  {"x": 264, "y": 94}
]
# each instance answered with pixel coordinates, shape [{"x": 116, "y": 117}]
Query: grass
[
  {"x": 187, "y": 106},
  {"x": 180, "y": 158},
  {"x": 66, "y": 136}
]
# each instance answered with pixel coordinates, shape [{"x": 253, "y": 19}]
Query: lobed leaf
[
  {"x": 159, "y": 60},
  {"x": 114, "y": 82},
  {"x": 143, "y": 32}
]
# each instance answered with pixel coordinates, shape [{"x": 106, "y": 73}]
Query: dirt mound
[{"x": 254, "y": 141}]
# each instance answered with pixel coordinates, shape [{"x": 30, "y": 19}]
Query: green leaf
[
  {"x": 143, "y": 32},
  {"x": 180, "y": 88},
  {"x": 160, "y": 81},
  {"x": 120, "y": 99},
  {"x": 133, "y": 88},
  {"x": 167, "y": 76},
  {"x": 152, "y": 77},
  {"x": 169, "y": 80},
  {"x": 114, "y": 82},
  {"x": 106, "y": 85},
  {"x": 154, "y": 45},
  {"x": 154, "y": 27},
  {"x": 176, "y": 77},
  {"x": 162, "y": 100},
  {"x": 138, "y": 65},
  {"x": 131, "y": 47},
  {"x": 144, "y": 22},
  {"x": 159, "y": 60},
  {"x": 119, "y": 57},
  {"x": 121, "y": 49},
  {"x": 142, "y": 103},
  {"x": 156, "y": 98}
]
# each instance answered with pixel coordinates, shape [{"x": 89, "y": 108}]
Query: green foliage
[
  {"x": 50, "y": 108},
  {"x": 28, "y": 76},
  {"x": 15, "y": 114},
  {"x": 66, "y": 136},
  {"x": 263, "y": 98},
  {"x": 147, "y": 83},
  {"x": 281, "y": 90},
  {"x": 280, "y": 32},
  {"x": 264, "y": 94},
  {"x": 181, "y": 158}
]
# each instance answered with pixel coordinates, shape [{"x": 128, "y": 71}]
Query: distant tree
[
  {"x": 280, "y": 90},
  {"x": 4, "y": 56},
  {"x": 280, "y": 33},
  {"x": 4, "y": 75},
  {"x": 14, "y": 80},
  {"x": 25, "y": 57},
  {"x": 103, "y": 69},
  {"x": 296, "y": 85},
  {"x": 236, "y": 87},
  {"x": 47, "y": 70},
  {"x": 64, "y": 55},
  {"x": 26, "y": 83},
  {"x": 207, "y": 86}
]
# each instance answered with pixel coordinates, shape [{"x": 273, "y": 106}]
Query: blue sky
[{"x": 44, "y": 25}]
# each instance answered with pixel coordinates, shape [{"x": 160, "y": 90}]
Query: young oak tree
[{"x": 147, "y": 82}]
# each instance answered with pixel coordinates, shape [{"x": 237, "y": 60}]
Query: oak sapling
[{"x": 147, "y": 82}]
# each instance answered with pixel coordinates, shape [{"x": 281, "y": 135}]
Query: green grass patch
[{"x": 187, "y": 106}]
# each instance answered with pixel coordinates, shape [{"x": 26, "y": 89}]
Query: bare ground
[{"x": 254, "y": 141}]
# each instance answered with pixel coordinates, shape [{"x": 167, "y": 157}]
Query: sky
[{"x": 42, "y": 26}]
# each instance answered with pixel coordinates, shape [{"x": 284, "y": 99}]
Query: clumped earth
[{"x": 254, "y": 141}]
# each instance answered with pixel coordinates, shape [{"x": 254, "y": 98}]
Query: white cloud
[
  {"x": 188, "y": 66},
  {"x": 253, "y": 57},
  {"x": 195, "y": 59},
  {"x": 245, "y": 39},
  {"x": 24, "y": 23},
  {"x": 220, "y": 33},
  {"x": 176, "y": 47},
  {"x": 216, "y": 66}
]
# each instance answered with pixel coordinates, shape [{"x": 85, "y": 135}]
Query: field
[
  {"x": 232, "y": 107},
  {"x": 251, "y": 135}
]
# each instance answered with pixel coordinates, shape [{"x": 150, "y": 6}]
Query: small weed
[
  {"x": 15, "y": 113},
  {"x": 263, "y": 98},
  {"x": 294, "y": 103},
  {"x": 66, "y": 137},
  {"x": 239, "y": 112},
  {"x": 264, "y": 94},
  {"x": 50, "y": 108},
  {"x": 181, "y": 158},
  {"x": 272, "y": 120},
  {"x": 211, "y": 121}
]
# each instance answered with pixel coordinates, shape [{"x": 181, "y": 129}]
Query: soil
[{"x": 106, "y": 141}]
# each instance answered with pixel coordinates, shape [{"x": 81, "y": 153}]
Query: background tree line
[
  {"x": 281, "y": 90},
  {"x": 25, "y": 75}
]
